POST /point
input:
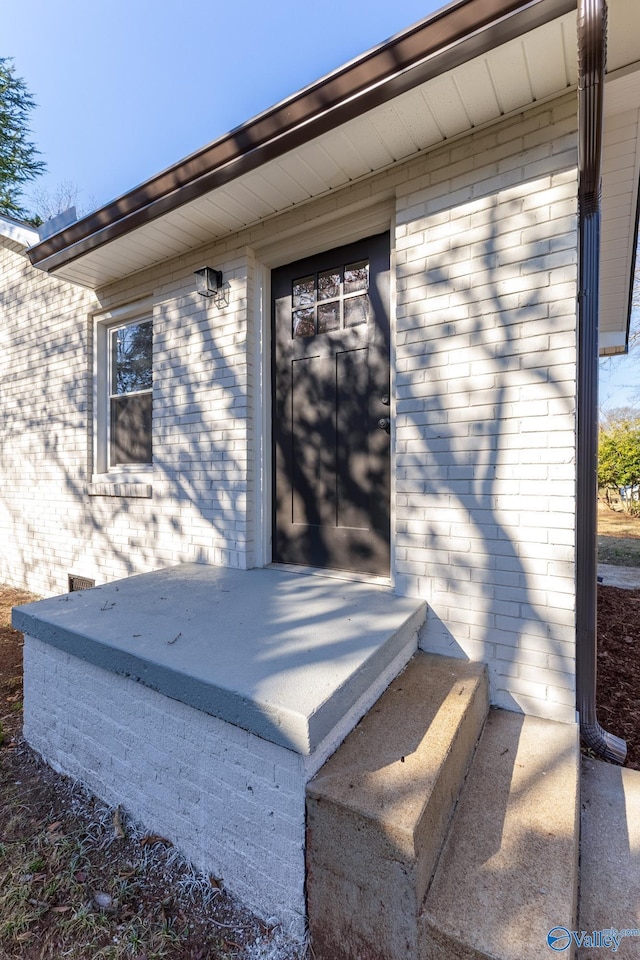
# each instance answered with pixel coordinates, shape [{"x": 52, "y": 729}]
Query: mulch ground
[
  {"x": 10, "y": 664},
  {"x": 618, "y": 696}
]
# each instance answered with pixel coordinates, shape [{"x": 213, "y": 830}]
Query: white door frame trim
[{"x": 279, "y": 252}]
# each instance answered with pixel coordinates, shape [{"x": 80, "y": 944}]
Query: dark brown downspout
[{"x": 592, "y": 32}]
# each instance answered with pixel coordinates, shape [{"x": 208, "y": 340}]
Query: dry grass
[
  {"x": 618, "y": 537},
  {"x": 81, "y": 881}
]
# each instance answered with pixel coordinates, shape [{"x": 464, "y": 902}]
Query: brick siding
[
  {"x": 484, "y": 256},
  {"x": 233, "y": 803},
  {"x": 486, "y": 266}
]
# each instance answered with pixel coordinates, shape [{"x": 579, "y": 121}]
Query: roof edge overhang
[
  {"x": 613, "y": 343},
  {"x": 18, "y": 231},
  {"x": 454, "y": 35}
]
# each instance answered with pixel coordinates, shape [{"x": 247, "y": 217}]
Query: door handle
[{"x": 385, "y": 424}]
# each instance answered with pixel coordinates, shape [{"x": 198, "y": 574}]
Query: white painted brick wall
[
  {"x": 484, "y": 391},
  {"x": 44, "y": 441},
  {"x": 232, "y": 803},
  {"x": 485, "y": 404},
  {"x": 49, "y": 524}
]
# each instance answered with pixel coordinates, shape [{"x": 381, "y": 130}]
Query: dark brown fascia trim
[{"x": 456, "y": 34}]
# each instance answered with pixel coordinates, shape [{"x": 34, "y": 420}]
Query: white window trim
[{"x": 103, "y": 323}]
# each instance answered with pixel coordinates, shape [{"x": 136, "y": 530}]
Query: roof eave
[
  {"x": 454, "y": 35},
  {"x": 18, "y": 231}
]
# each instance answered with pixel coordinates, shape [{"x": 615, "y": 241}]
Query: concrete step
[
  {"x": 379, "y": 808},
  {"x": 609, "y": 859},
  {"x": 508, "y": 872}
]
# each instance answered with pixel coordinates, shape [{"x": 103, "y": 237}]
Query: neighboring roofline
[
  {"x": 451, "y": 36},
  {"x": 17, "y": 230}
]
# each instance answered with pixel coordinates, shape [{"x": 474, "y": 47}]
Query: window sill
[{"x": 119, "y": 488}]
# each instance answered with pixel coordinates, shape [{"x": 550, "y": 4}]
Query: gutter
[
  {"x": 454, "y": 35},
  {"x": 592, "y": 33}
]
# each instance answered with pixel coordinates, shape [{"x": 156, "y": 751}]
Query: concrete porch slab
[
  {"x": 610, "y": 860},
  {"x": 281, "y": 655}
]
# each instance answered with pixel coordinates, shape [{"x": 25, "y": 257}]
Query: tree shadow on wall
[
  {"x": 485, "y": 390},
  {"x": 482, "y": 381},
  {"x": 199, "y": 504}
]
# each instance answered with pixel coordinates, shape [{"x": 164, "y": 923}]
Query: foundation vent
[{"x": 79, "y": 583}]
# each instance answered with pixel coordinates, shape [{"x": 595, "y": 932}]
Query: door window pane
[
  {"x": 303, "y": 294},
  {"x": 329, "y": 284},
  {"x": 328, "y": 316},
  {"x": 356, "y": 277},
  {"x": 303, "y": 323},
  {"x": 356, "y": 310},
  {"x": 330, "y": 300}
]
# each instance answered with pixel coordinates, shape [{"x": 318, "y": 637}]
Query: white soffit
[
  {"x": 620, "y": 181},
  {"x": 620, "y": 172},
  {"x": 539, "y": 65},
  {"x": 612, "y": 343},
  {"x": 622, "y": 34}
]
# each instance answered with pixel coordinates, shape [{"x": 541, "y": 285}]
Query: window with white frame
[{"x": 124, "y": 393}]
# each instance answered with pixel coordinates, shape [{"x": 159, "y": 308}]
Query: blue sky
[
  {"x": 126, "y": 87},
  {"x": 620, "y": 382}
]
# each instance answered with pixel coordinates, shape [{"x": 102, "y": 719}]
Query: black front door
[{"x": 330, "y": 338}]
